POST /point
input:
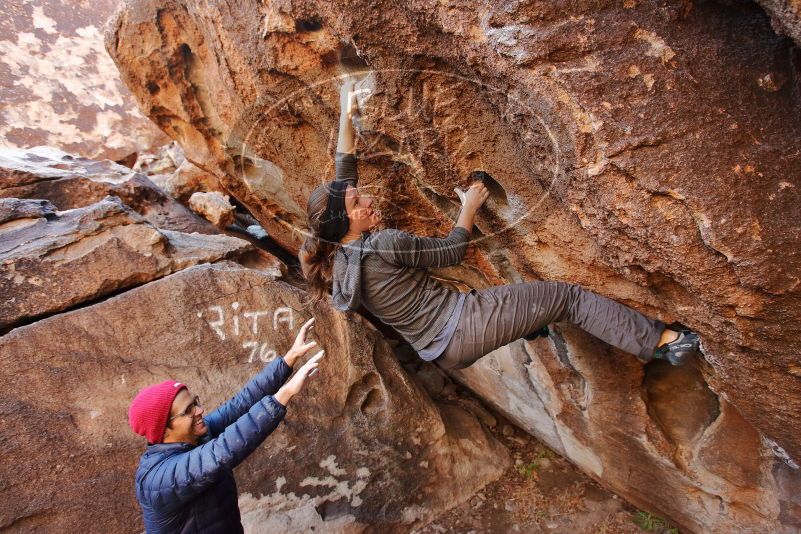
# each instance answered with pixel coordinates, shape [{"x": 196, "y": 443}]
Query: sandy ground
[{"x": 541, "y": 492}]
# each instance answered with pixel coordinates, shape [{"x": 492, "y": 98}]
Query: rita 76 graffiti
[{"x": 236, "y": 323}]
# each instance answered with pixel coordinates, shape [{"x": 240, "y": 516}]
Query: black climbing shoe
[
  {"x": 677, "y": 352},
  {"x": 542, "y": 332}
]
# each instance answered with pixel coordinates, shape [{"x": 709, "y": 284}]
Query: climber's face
[{"x": 361, "y": 213}]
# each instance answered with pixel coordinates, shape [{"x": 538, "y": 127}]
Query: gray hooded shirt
[{"x": 386, "y": 273}]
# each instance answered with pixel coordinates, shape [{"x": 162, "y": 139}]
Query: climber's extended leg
[{"x": 497, "y": 316}]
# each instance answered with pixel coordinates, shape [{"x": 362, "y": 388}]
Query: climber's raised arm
[
  {"x": 406, "y": 250},
  {"x": 472, "y": 199},
  {"x": 346, "y": 139}
]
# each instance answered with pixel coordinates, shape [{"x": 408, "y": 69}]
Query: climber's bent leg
[{"x": 494, "y": 317}]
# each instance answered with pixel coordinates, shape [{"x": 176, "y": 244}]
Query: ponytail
[
  {"x": 317, "y": 262},
  {"x": 316, "y": 254}
]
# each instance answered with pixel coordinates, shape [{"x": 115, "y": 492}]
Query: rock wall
[
  {"x": 643, "y": 149},
  {"x": 70, "y": 182},
  {"x": 58, "y": 86},
  {"x": 53, "y": 261}
]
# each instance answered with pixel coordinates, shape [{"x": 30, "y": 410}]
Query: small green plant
[
  {"x": 527, "y": 470},
  {"x": 652, "y": 523},
  {"x": 545, "y": 453}
]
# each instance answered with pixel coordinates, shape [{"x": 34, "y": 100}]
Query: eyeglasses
[{"x": 190, "y": 410}]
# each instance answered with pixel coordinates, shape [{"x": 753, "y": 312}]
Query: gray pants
[{"x": 494, "y": 317}]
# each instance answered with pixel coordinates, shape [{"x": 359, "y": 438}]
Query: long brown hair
[{"x": 317, "y": 255}]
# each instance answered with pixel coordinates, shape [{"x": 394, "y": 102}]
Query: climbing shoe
[
  {"x": 677, "y": 352},
  {"x": 542, "y": 332}
]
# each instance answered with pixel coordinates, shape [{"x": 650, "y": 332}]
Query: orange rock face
[{"x": 646, "y": 151}]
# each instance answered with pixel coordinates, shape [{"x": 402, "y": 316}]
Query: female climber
[{"x": 385, "y": 272}]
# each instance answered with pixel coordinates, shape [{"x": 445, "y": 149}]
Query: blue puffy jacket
[{"x": 190, "y": 488}]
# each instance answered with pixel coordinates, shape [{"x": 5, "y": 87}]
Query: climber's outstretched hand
[{"x": 475, "y": 196}]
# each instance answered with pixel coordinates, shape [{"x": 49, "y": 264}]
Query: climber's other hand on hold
[{"x": 475, "y": 196}]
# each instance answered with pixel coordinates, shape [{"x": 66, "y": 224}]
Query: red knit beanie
[{"x": 150, "y": 409}]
